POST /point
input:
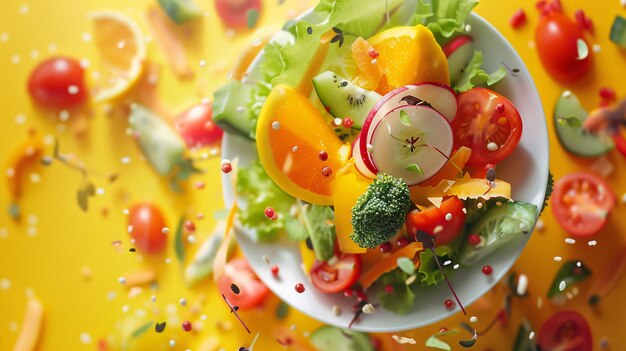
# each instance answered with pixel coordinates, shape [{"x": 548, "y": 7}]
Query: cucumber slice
[
  {"x": 497, "y": 226},
  {"x": 618, "y": 31},
  {"x": 230, "y": 110},
  {"x": 343, "y": 98},
  {"x": 180, "y": 11},
  {"x": 574, "y": 138},
  {"x": 158, "y": 142},
  {"x": 331, "y": 338},
  {"x": 316, "y": 220}
]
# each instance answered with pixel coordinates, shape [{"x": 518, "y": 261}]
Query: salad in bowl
[{"x": 391, "y": 161}]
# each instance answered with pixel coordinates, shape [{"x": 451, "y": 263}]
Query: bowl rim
[{"x": 239, "y": 230}]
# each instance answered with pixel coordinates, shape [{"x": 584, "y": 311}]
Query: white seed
[
  {"x": 579, "y": 264},
  {"x": 167, "y": 260},
  {"x": 241, "y": 109},
  {"x": 338, "y": 121},
  {"x": 86, "y": 37},
  {"x": 130, "y": 228},
  {"x": 596, "y": 48},
  {"x": 85, "y": 338},
  {"x": 531, "y": 335},
  {"x": 592, "y": 243},
  {"x": 73, "y": 89},
  {"x": 191, "y": 239},
  {"x": 491, "y": 146},
  {"x": 539, "y": 302},
  {"x": 374, "y": 61},
  {"x": 448, "y": 217},
  {"x": 562, "y": 285},
  {"x": 456, "y": 266},
  {"x": 183, "y": 301},
  {"x": 567, "y": 94},
  {"x": 540, "y": 225},
  {"x": 275, "y": 125},
  {"x": 368, "y": 308},
  {"x": 464, "y": 210},
  {"x": 122, "y": 280},
  {"x": 153, "y": 298},
  {"x": 266, "y": 259},
  {"x": 570, "y": 241},
  {"x": 202, "y": 63},
  {"x": 558, "y": 258},
  {"x": 336, "y": 310},
  {"x": 294, "y": 148},
  {"x": 522, "y": 284},
  {"x": 165, "y": 230},
  {"x": 473, "y": 319},
  {"x": 479, "y": 205},
  {"x": 370, "y": 149},
  {"x": 111, "y": 295},
  {"x": 125, "y": 308},
  {"x": 447, "y": 263},
  {"x": 172, "y": 343},
  {"x": 438, "y": 229},
  {"x": 5, "y": 284}
]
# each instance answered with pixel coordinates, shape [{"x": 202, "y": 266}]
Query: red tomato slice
[
  {"x": 57, "y": 82},
  {"x": 581, "y": 203},
  {"x": 251, "y": 290},
  {"x": 147, "y": 224},
  {"x": 338, "y": 276},
  {"x": 196, "y": 126},
  {"x": 434, "y": 217},
  {"x": 487, "y": 123},
  {"x": 565, "y": 331},
  {"x": 234, "y": 13},
  {"x": 556, "y": 37}
]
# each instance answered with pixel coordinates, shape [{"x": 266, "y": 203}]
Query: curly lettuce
[
  {"x": 475, "y": 75},
  {"x": 444, "y": 18},
  {"x": 429, "y": 273}
]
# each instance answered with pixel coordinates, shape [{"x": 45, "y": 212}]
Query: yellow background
[{"x": 47, "y": 252}]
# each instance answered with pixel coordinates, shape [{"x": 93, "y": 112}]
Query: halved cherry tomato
[
  {"x": 146, "y": 223},
  {"x": 336, "y": 276},
  {"x": 487, "y": 123},
  {"x": 581, "y": 203},
  {"x": 196, "y": 126},
  {"x": 556, "y": 37},
  {"x": 234, "y": 13},
  {"x": 251, "y": 291},
  {"x": 58, "y": 82},
  {"x": 565, "y": 331},
  {"x": 436, "y": 217}
]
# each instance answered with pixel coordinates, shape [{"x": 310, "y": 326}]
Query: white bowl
[{"x": 526, "y": 169}]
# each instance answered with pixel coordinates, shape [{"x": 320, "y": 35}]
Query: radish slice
[
  {"x": 358, "y": 160},
  {"x": 412, "y": 143},
  {"x": 440, "y": 97}
]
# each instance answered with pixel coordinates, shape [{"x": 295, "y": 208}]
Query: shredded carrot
[
  {"x": 31, "y": 326},
  {"x": 141, "y": 277},
  {"x": 169, "y": 43},
  {"x": 391, "y": 262}
]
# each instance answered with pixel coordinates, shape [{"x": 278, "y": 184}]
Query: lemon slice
[{"x": 122, "y": 49}]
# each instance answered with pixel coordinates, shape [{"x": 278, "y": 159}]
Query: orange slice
[
  {"x": 122, "y": 50},
  {"x": 368, "y": 72},
  {"x": 290, "y": 135},
  {"x": 409, "y": 55}
]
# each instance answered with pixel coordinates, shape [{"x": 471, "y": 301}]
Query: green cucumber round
[
  {"x": 329, "y": 338},
  {"x": 572, "y": 136},
  {"x": 497, "y": 226}
]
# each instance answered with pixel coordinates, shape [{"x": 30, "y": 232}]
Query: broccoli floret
[{"x": 380, "y": 211}]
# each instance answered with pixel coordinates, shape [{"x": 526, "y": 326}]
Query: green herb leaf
[
  {"x": 467, "y": 343},
  {"x": 474, "y": 75},
  {"x": 571, "y": 274},
  {"x": 141, "y": 330},
  {"x": 401, "y": 299},
  {"x": 435, "y": 343},
  {"x": 523, "y": 342},
  {"x": 414, "y": 168},
  {"x": 252, "y": 16},
  {"x": 572, "y": 122},
  {"x": 583, "y": 49},
  {"x": 406, "y": 265},
  {"x": 178, "y": 240},
  {"x": 429, "y": 273},
  {"x": 405, "y": 119},
  {"x": 83, "y": 199},
  {"x": 282, "y": 310}
]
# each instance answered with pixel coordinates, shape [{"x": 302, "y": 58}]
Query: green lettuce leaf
[
  {"x": 260, "y": 192},
  {"x": 444, "y": 17},
  {"x": 429, "y": 273},
  {"x": 401, "y": 299},
  {"x": 474, "y": 75},
  {"x": 352, "y": 17}
]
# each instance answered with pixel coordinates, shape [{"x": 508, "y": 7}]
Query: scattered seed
[
  {"x": 276, "y": 125},
  {"x": 336, "y": 310},
  {"x": 473, "y": 319},
  {"x": 562, "y": 285},
  {"x": 183, "y": 301},
  {"x": 570, "y": 241},
  {"x": 448, "y": 217},
  {"x": 592, "y": 243},
  {"x": 522, "y": 285},
  {"x": 491, "y": 146},
  {"x": 121, "y": 280},
  {"x": 368, "y": 308},
  {"x": 558, "y": 258}
]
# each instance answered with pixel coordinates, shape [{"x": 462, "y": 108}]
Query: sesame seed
[
  {"x": 567, "y": 94},
  {"x": 447, "y": 263},
  {"x": 172, "y": 343},
  {"x": 294, "y": 148},
  {"x": 275, "y": 125},
  {"x": 111, "y": 295},
  {"x": 125, "y": 308},
  {"x": 4, "y": 37},
  {"x": 522, "y": 284},
  {"x": 438, "y": 229},
  {"x": 24, "y": 9},
  {"x": 86, "y": 37},
  {"x": 368, "y": 308},
  {"x": 240, "y": 109},
  {"x": 570, "y": 241},
  {"x": 540, "y": 225},
  {"x": 448, "y": 217},
  {"x": 596, "y": 48},
  {"x": 336, "y": 310},
  {"x": 183, "y": 301},
  {"x": 456, "y": 266},
  {"x": 624, "y": 198},
  {"x": 562, "y": 285},
  {"x": 266, "y": 259},
  {"x": 468, "y": 28},
  {"x": 122, "y": 280},
  {"x": 165, "y": 230},
  {"x": 464, "y": 210},
  {"x": 479, "y": 205},
  {"x": 153, "y": 298},
  {"x": 473, "y": 319},
  {"x": 202, "y": 63},
  {"x": 531, "y": 335},
  {"x": 130, "y": 228},
  {"x": 337, "y": 121},
  {"x": 15, "y": 59},
  {"x": 374, "y": 61},
  {"x": 85, "y": 338},
  {"x": 168, "y": 260},
  {"x": 5, "y": 284},
  {"x": 558, "y": 258},
  {"x": 491, "y": 146},
  {"x": 73, "y": 89},
  {"x": 191, "y": 239},
  {"x": 592, "y": 243}
]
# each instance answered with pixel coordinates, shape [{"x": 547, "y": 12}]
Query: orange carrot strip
[
  {"x": 389, "y": 263},
  {"x": 31, "y": 326},
  {"x": 170, "y": 45}
]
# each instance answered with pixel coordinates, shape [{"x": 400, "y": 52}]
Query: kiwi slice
[{"x": 344, "y": 99}]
